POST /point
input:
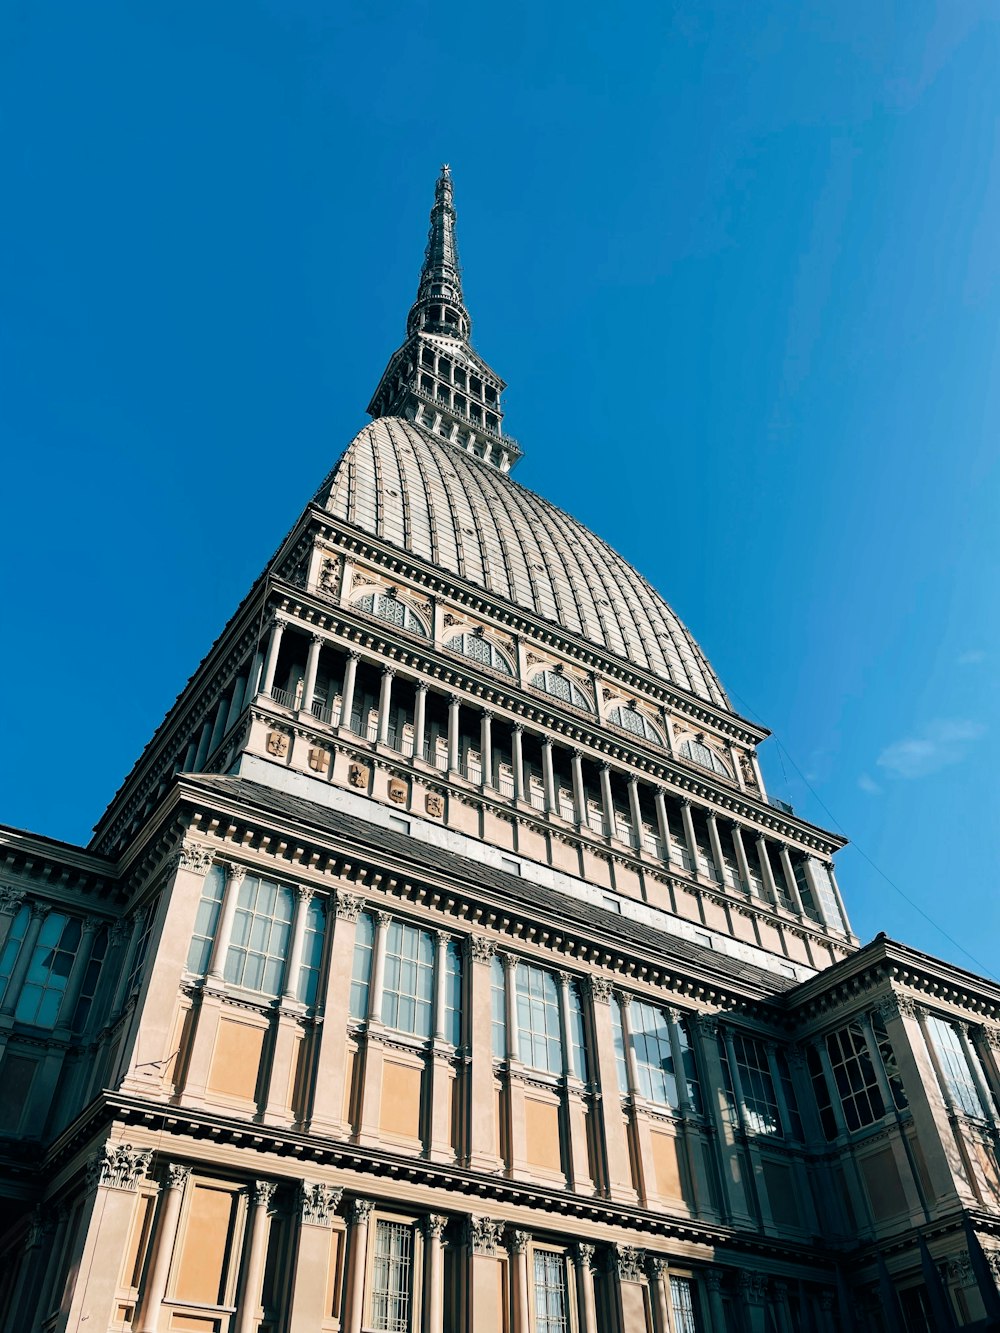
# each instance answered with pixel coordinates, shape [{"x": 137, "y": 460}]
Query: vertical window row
[
  {"x": 408, "y": 997},
  {"x": 860, "y": 1068},
  {"x": 38, "y": 956},
  {"x": 955, "y": 1061},
  {"x": 658, "y": 1047}
]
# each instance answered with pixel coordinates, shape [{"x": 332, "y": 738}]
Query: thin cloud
[
  {"x": 972, "y": 658},
  {"x": 869, "y": 786},
  {"x": 938, "y": 745}
]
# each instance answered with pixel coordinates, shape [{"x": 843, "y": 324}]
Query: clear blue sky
[{"x": 738, "y": 262}]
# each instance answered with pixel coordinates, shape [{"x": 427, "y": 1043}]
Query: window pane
[
  {"x": 682, "y": 1305},
  {"x": 499, "y": 1007},
  {"x": 206, "y": 921},
  {"x": 392, "y": 1277},
  {"x": 261, "y": 929},
  {"x": 955, "y": 1067},
  {"x": 551, "y": 1303},
  {"x": 653, "y": 1056},
  {"x": 408, "y": 996},
  {"x": 361, "y": 975},
  {"x": 538, "y": 1019},
  {"x": 312, "y": 951}
]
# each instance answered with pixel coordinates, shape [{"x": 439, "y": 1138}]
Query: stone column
[
  {"x": 329, "y": 1067},
  {"x": 354, "y": 1304},
  {"x": 236, "y": 702},
  {"x": 253, "y": 679},
  {"x": 617, "y": 1163},
  {"x": 607, "y": 801},
  {"x": 374, "y": 1051},
  {"x": 715, "y": 842},
  {"x": 520, "y": 1300},
  {"x": 440, "y": 976},
  {"x": 517, "y": 760},
  {"x": 716, "y": 1309},
  {"x": 317, "y": 1210},
  {"x": 766, "y": 874},
  {"x": 385, "y": 705},
  {"x": 583, "y": 1259},
  {"x": 235, "y": 875},
  {"x": 510, "y": 1006},
  {"x": 175, "y": 1178},
  {"x": 438, "y": 1066},
  {"x": 382, "y": 922},
  {"x": 201, "y": 754},
  {"x": 261, "y": 1193},
  {"x": 662, "y": 823},
  {"x": 312, "y": 666},
  {"x": 39, "y": 911},
  {"x": 433, "y": 1227},
  {"x": 347, "y": 688},
  {"x": 303, "y": 897},
  {"x": 741, "y": 859},
  {"x": 791, "y": 881},
  {"x": 579, "y": 792},
  {"x": 78, "y": 972},
  {"x": 486, "y": 747},
  {"x": 575, "y": 1117},
  {"x": 565, "y": 1032},
  {"x": 419, "y": 721},
  {"x": 548, "y": 777},
  {"x": 271, "y": 659},
  {"x": 635, "y": 812},
  {"x": 659, "y": 1291},
  {"x": 454, "y": 704},
  {"x": 483, "y": 1130},
  {"x": 692, "y": 842}
]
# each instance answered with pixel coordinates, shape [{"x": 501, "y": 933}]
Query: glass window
[
  {"x": 91, "y": 976},
  {"x": 141, "y": 950},
  {"x": 791, "y": 1102},
  {"x": 498, "y": 1000},
  {"x": 393, "y": 610},
  {"x": 392, "y": 1277},
  {"x": 206, "y": 921},
  {"x": 618, "y": 1036},
  {"x": 538, "y": 1019},
  {"x": 261, "y": 930},
  {"x": 578, "y": 1032},
  {"x": 682, "y": 1305},
  {"x": 48, "y": 971},
  {"x": 955, "y": 1067},
  {"x": 654, "y": 1059},
  {"x": 635, "y": 721},
  {"x": 312, "y": 951},
  {"x": 562, "y": 687},
  {"x": 481, "y": 649},
  {"x": 12, "y": 946},
  {"x": 408, "y": 995},
  {"x": 759, "y": 1096},
  {"x": 889, "y": 1062},
  {"x": 855, "y": 1076},
  {"x": 704, "y": 756},
  {"x": 361, "y": 973},
  {"x": 551, "y": 1302},
  {"x": 453, "y": 994}
]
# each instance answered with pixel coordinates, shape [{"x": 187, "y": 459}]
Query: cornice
[{"x": 58, "y": 868}]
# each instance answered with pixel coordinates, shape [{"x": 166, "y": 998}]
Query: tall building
[{"x": 443, "y": 964}]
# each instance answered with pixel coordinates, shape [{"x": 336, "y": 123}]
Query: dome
[{"x": 422, "y": 496}]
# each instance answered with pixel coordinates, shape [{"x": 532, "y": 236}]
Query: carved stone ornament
[
  {"x": 398, "y": 791},
  {"x": 176, "y": 1175},
  {"x": 482, "y": 949},
  {"x": 118, "y": 1166},
  {"x": 746, "y": 768},
  {"x": 895, "y": 1006},
  {"x": 656, "y": 1266},
  {"x": 707, "y": 1025},
  {"x": 485, "y": 1235},
  {"x": 10, "y": 899},
  {"x": 958, "y": 1267},
  {"x": 434, "y": 804},
  {"x": 277, "y": 743},
  {"x": 434, "y": 1225},
  {"x": 518, "y": 1241},
  {"x": 318, "y": 1203},
  {"x": 753, "y": 1287},
  {"x": 361, "y": 1210},
  {"x": 358, "y": 775},
  {"x": 600, "y": 989},
  {"x": 990, "y": 1035},
  {"x": 584, "y": 1255},
  {"x": 319, "y": 760},
  {"x": 629, "y": 1263},
  {"x": 329, "y": 574},
  {"x": 348, "y": 906},
  {"x": 262, "y": 1192},
  {"x": 196, "y": 856}
]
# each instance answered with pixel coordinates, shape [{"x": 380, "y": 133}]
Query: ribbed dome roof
[{"x": 422, "y": 496}]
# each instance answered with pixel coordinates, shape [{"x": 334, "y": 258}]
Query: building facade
[{"x": 443, "y": 965}]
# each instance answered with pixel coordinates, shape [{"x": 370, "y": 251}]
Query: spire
[
  {"x": 436, "y": 379},
  {"x": 440, "y": 307}
]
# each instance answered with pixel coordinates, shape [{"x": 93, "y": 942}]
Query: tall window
[
  {"x": 206, "y": 921},
  {"x": 759, "y": 1096},
  {"x": 955, "y": 1066},
  {"x": 538, "y": 1019},
  {"x": 392, "y": 1277},
  {"x": 408, "y": 997},
  {"x": 551, "y": 1301},
  {"x": 682, "y": 1305},
  {"x": 650, "y": 1030},
  {"x": 562, "y": 687},
  {"x": 481, "y": 649},
  {"x": 396, "y": 612},
  {"x": 453, "y": 994},
  {"x": 261, "y": 930},
  {"x": 307, "y": 982},
  {"x": 141, "y": 949},
  {"x": 361, "y": 973},
  {"x": 498, "y": 1005},
  {"x": 577, "y": 1032},
  {"x": 48, "y": 970},
  {"x": 635, "y": 721},
  {"x": 91, "y": 976},
  {"x": 705, "y": 757},
  {"x": 618, "y": 1034},
  {"x": 856, "y": 1081},
  {"x": 12, "y": 946}
]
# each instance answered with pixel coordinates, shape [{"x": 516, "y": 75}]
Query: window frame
[
  {"x": 412, "y": 1224},
  {"x": 539, "y": 681},
  {"x": 381, "y": 595},
  {"x": 543, "y": 1252}
]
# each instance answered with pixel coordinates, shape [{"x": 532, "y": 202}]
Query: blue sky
[{"x": 738, "y": 263}]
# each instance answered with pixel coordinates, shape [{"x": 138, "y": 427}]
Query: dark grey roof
[
  {"x": 520, "y": 894},
  {"x": 429, "y": 499}
]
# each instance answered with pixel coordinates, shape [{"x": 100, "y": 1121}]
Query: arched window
[
  {"x": 480, "y": 649},
  {"x": 561, "y": 687},
  {"x": 631, "y": 719},
  {"x": 389, "y": 607},
  {"x": 706, "y": 757}
]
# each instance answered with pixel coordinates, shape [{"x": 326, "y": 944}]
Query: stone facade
[{"x": 442, "y": 964}]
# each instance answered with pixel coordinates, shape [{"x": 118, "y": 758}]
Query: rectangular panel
[
  {"x": 666, "y": 1165},
  {"x": 17, "y": 1077},
  {"x": 399, "y": 1112},
  {"x": 236, "y": 1059},
  {"x": 541, "y": 1132},
  {"x": 885, "y": 1189},
  {"x": 201, "y": 1271},
  {"x": 781, "y": 1194}
]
